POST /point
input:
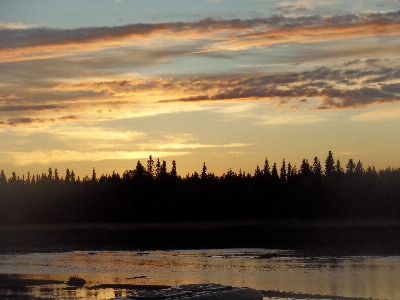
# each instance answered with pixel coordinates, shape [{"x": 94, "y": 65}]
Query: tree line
[{"x": 151, "y": 192}]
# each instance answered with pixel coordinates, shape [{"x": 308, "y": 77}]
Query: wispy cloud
[
  {"x": 44, "y": 157},
  {"x": 29, "y": 121},
  {"x": 381, "y": 114},
  {"x": 216, "y": 34},
  {"x": 198, "y": 145}
]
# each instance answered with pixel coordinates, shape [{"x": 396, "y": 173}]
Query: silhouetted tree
[
  {"x": 173, "y": 170},
  {"x": 316, "y": 168},
  {"x": 204, "y": 172},
  {"x": 158, "y": 168},
  {"x": 150, "y": 166},
  {"x": 266, "y": 169},
  {"x": 305, "y": 169},
  {"x": 257, "y": 172},
  {"x": 73, "y": 176},
  {"x": 329, "y": 164},
  {"x": 139, "y": 171},
  {"x": 94, "y": 178},
  {"x": 291, "y": 173},
  {"x": 163, "y": 171},
  {"x": 67, "y": 175},
  {"x": 50, "y": 174},
  {"x": 282, "y": 176},
  {"x": 3, "y": 178},
  {"x": 274, "y": 173},
  {"x": 56, "y": 177},
  {"x": 371, "y": 172},
  {"x": 136, "y": 196},
  {"x": 359, "y": 169},
  {"x": 338, "y": 168},
  {"x": 350, "y": 167}
]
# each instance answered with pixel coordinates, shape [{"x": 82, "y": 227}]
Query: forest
[{"x": 151, "y": 193}]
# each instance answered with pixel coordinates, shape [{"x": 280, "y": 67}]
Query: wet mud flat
[
  {"x": 277, "y": 274},
  {"x": 18, "y": 287},
  {"x": 330, "y": 237}
]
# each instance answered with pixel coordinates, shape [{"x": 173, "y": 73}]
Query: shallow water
[{"x": 290, "y": 276}]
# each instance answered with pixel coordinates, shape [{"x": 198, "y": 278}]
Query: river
[{"x": 279, "y": 274}]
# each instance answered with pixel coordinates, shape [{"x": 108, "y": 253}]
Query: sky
[{"x": 102, "y": 84}]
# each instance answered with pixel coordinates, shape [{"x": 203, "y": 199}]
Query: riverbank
[{"x": 321, "y": 237}]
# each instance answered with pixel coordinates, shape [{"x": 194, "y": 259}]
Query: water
[{"x": 283, "y": 275}]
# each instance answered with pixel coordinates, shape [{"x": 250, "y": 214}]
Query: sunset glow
[{"x": 103, "y": 84}]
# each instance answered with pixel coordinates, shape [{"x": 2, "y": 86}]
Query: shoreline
[{"x": 318, "y": 237}]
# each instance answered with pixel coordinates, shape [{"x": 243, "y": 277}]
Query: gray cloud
[
  {"x": 392, "y": 88},
  {"x": 285, "y": 9},
  {"x": 28, "y": 120},
  {"x": 10, "y": 108},
  {"x": 318, "y": 83},
  {"x": 29, "y": 37}
]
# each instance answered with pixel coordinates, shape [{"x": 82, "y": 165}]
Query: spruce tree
[
  {"x": 329, "y": 164},
  {"x": 204, "y": 171},
  {"x": 282, "y": 176},
  {"x": 266, "y": 170},
  {"x": 350, "y": 167},
  {"x": 173, "y": 170},
  {"x": 150, "y": 166},
  {"x": 316, "y": 168}
]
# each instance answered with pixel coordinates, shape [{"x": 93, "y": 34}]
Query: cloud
[
  {"x": 392, "y": 88},
  {"x": 285, "y": 9},
  {"x": 46, "y": 157},
  {"x": 355, "y": 98},
  {"x": 8, "y": 108},
  {"x": 198, "y": 145},
  {"x": 15, "y": 25},
  {"x": 348, "y": 86},
  {"x": 382, "y": 114},
  {"x": 29, "y": 121},
  {"x": 216, "y": 34},
  {"x": 297, "y": 118}
]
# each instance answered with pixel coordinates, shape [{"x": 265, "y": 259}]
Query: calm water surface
[{"x": 360, "y": 277}]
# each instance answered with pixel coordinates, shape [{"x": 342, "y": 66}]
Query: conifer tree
[
  {"x": 291, "y": 173},
  {"x": 158, "y": 168},
  {"x": 282, "y": 176},
  {"x": 72, "y": 176},
  {"x": 67, "y": 175},
  {"x": 316, "y": 168},
  {"x": 329, "y": 165},
  {"x": 56, "y": 177},
  {"x": 266, "y": 170},
  {"x": 173, "y": 170},
  {"x": 305, "y": 169},
  {"x": 257, "y": 172},
  {"x": 163, "y": 172},
  {"x": 338, "y": 168},
  {"x": 150, "y": 166},
  {"x": 359, "y": 169},
  {"x": 94, "y": 178},
  {"x": 204, "y": 171},
  {"x": 274, "y": 173},
  {"x": 139, "y": 171},
  {"x": 3, "y": 179},
  {"x": 350, "y": 167}
]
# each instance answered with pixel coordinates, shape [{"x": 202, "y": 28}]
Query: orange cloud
[{"x": 35, "y": 43}]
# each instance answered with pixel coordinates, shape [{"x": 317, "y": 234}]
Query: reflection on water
[{"x": 280, "y": 274}]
